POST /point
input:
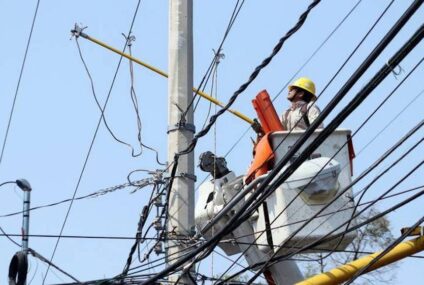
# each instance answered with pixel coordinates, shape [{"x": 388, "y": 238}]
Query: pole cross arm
[
  {"x": 78, "y": 32},
  {"x": 345, "y": 272}
]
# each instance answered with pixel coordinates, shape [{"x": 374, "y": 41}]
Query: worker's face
[{"x": 295, "y": 95}]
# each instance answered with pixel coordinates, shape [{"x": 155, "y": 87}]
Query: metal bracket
[
  {"x": 182, "y": 126},
  {"x": 77, "y": 31}
]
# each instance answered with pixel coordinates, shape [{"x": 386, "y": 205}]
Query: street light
[{"x": 18, "y": 267}]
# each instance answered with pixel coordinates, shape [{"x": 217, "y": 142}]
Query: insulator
[
  {"x": 158, "y": 248},
  {"x": 158, "y": 201},
  {"x": 157, "y": 224}
]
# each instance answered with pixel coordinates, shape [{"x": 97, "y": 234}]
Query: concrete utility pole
[{"x": 180, "y": 132}]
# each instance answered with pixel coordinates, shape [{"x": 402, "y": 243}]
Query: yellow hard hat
[{"x": 305, "y": 84}]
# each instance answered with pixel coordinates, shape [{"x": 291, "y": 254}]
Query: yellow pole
[
  {"x": 160, "y": 72},
  {"x": 345, "y": 272}
]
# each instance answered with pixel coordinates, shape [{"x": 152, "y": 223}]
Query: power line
[
  {"x": 323, "y": 43},
  {"x": 9, "y": 237},
  {"x": 42, "y": 258},
  {"x": 360, "y": 127},
  {"x": 264, "y": 63},
  {"x": 313, "y": 54},
  {"x": 215, "y": 59},
  {"x": 326, "y": 239},
  {"x": 362, "y": 175},
  {"x": 375, "y": 164},
  {"x": 253, "y": 76},
  {"x": 333, "y": 212},
  {"x": 340, "y": 226},
  {"x": 336, "y": 121},
  {"x": 134, "y": 100},
  {"x": 342, "y": 208},
  {"x": 261, "y": 193},
  {"x": 19, "y": 80},
  {"x": 138, "y": 184},
  {"x": 91, "y": 146}
]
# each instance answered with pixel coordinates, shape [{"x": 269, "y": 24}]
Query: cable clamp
[
  {"x": 418, "y": 231},
  {"x": 392, "y": 69},
  {"x": 188, "y": 176},
  {"x": 183, "y": 127}
]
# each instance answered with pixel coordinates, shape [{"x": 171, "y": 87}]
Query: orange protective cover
[{"x": 267, "y": 115}]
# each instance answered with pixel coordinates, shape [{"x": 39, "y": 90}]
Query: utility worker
[{"x": 303, "y": 110}]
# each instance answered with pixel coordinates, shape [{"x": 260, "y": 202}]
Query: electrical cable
[
  {"x": 134, "y": 100},
  {"x": 339, "y": 69},
  {"x": 91, "y": 146},
  {"x": 143, "y": 183},
  {"x": 366, "y": 188},
  {"x": 19, "y": 81},
  {"x": 326, "y": 239},
  {"x": 264, "y": 266},
  {"x": 264, "y": 63},
  {"x": 234, "y": 240},
  {"x": 359, "y": 128},
  {"x": 97, "y": 100},
  {"x": 7, "y": 182},
  {"x": 380, "y": 75},
  {"x": 372, "y": 167},
  {"x": 316, "y": 248},
  {"x": 332, "y": 213},
  {"x": 262, "y": 193},
  {"x": 360, "y": 177},
  {"x": 143, "y": 217},
  {"x": 324, "y": 42},
  {"x": 9, "y": 237},
  {"x": 159, "y": 238},
  {"x": 310, "y": 58},
  {"x": 205, "y": 78},
  {"x": 151, "y": 266},
  {"x": 344, "y": 113},
  {"x": 365, "y": 121},
  {"x": 43, "y": 259},
  {"x": 35, "y": 272},
  {"x": 252, "y": 77}
]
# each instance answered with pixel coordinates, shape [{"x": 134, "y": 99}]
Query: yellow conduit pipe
[{"x": 345, "y": 272}]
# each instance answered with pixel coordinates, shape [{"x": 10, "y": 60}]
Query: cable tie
[
  {"x": 218, "y": 55},
  {"x": 130, "y": 39},
  {"x": 392, "y": 69}
]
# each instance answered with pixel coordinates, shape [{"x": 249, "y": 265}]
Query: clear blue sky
[{"x": 55, "y": 114}]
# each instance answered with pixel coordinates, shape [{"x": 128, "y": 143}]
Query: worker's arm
[
  {"x": 284, "y": 120},
  {"x": 313, "y": 113}
]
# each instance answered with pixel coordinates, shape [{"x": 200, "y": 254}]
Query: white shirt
[{"x": 294, "y": 115}]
